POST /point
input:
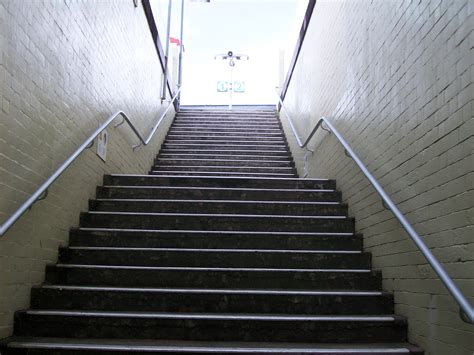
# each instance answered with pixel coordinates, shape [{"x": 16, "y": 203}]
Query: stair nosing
[
  {"x": 219, "y": 215},
  {"x": 216, "y": 291},
  {"x": 218, "y": 177},
  {"x": 177, "y": 231},
  {"x": 213, "y": 188},
  {"x": 213, "y": 269},
  {"x": 220, "y": 250},
  {"x": 263, "y": 202},
  {"x": 207, "y": 347},
  {"x": 213, "y": 316}
]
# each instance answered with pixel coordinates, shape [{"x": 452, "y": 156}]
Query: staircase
[{"x": 221, "y": 249}]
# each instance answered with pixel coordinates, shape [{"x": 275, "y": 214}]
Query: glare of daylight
[{"x": 265, "y": 30}]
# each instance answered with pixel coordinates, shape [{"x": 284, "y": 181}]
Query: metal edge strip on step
[
  {"x": 226, "y": 160},
  {"x": 216, "y": 250},
  {"x": 214, "y": 188},
  {"x": 215, "y": 291},
  {"x": 308, "y": 203},
  {"x": 210, "y": 316},
  {"x": 222, "y": 173},
  {"x": 218, "y": 215},
  {"x": 177, "y": 231},
  {"x": 218, "y": 177},
  {"x": 235, "y": 142},
  {"x": 282, "y": 168},
  {"x": 181, "y": 156},
  {"x": 224, "y": 128},
  {"x": 211, "y": 269},
  {"x": 200, "y": 349}
]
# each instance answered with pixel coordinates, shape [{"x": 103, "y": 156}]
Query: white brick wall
[
  {"x": 396, "y": 79},
  {"x": 65, "y": 67}
]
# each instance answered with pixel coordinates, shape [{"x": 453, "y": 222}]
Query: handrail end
[{"x": 466, "y": 318}]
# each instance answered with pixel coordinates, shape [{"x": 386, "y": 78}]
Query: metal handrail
[
  {"x": 466, "y": 311},
  {"x": 42, "y": 191}
]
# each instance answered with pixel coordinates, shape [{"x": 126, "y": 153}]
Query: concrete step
[
  {"x": 199, "y": 174},
  {"x": 68, "y": 346},
  {"x": 228, "y": 152},
  {"x": 220, "y": 206},
  {"x": 237, "y": 127},
  {"x": 219, "y": 193},
  {"x": 235, "y": 115},
  {"x": 219, "y": 156},
  {"x": 235, "y": 168},
  {"x": 217, "y": 137},
  {"x": 160, "y": 162},
  {"x": 191, "y": 146},
  {"x": 110, "y": 237},
  {"x": 211, "y": 300},
  {"x": 230, "y": 222},
  {"x": 235, "y": 278},
  {"x": 248, "y": 258},
  {"x": 227, "y": 122},
  {"x": 225, "y": 131},
  {"x": 229, "y": 182},
  {"x": 207, "y": 327}
]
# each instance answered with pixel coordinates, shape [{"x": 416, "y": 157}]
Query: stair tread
[
  {"x": 218, "y": 269},
  {"x": 219, "y": 215},
  {"x": 192, "y": 231},
  {"x": 268, "y": 202},
  {"x": 135, "y": 345},
  {"x": 226, "y": 316},
  {"x": 219, "y": 290}
]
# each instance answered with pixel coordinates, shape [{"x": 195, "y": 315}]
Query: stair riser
[
  {"x": 282, "y": 154},
  {"x": 223, "y": 133},
  {"x": 213, "y": 279},
  {"x": 234, "y": 144},
  {"x": 194, "y": 156},
  {"x": 186, "y": 128},
  {"x": 249, "y": 259},
  {"x": 226, "y": 123},
  {"x": 216, "y": 222},
  {"x": 216, "y": 330},
  {"x": 130, "y": 180},
  {"x": 268, "y": 139},
  {"x": 230, "y": 119},
  {"x": 43, "y": 298},
  {"x": 221, "y": 174},
  {"x": 219, "y": 207},
  {"x": 228, "y": 169},
  {"x": 217, "y": 194},
  {"x": 220, "y": 162},
  {"x": 214, "y": 241},
  {"x": 206, "y": 350},
  {"x": 230, "y": 147}
]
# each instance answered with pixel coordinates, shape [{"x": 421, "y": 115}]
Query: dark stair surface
[{"x": 220, "y": 249}]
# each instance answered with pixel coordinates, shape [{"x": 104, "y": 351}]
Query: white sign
[
  {"x": 236, "y": 86},
  {"x": 102, "y": 139}
]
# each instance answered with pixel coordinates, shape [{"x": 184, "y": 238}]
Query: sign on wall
[
  {"x": 236, "y": 86},
  {"x": 102, "y": 139}
]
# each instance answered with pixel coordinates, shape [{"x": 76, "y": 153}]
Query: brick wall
[
  {"x": 65, "y": 67},
  {"x": 396, "y": 79}
]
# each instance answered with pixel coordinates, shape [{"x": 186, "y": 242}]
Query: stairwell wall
[
  {"x": 65, "y": 67},
  {"x": 396, "y": 79}
]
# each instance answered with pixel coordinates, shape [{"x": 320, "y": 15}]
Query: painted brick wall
[
  {"x": 396, "y": 78},
  {"x": 65, "y": 67}
]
